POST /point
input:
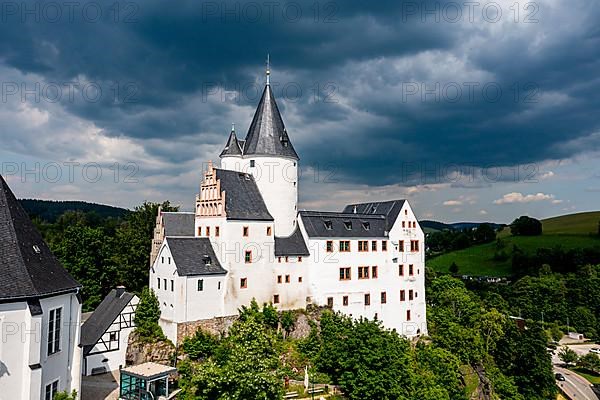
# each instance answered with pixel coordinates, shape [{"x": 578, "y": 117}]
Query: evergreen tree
[{"x": 147, "y": 314}]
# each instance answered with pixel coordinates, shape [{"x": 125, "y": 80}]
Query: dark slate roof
[
  {"x": 179, "y": 223},
  {"x": 194, "y": 256},
  {"x": 362, "y": 225},
  {"x": 232, "y": 148},
  {"x": 390, "y": 209},
  {"x": 27, "y": 267},
  {"x": 242, "y": 197},
  {"x": 103, "y": 317},
  {"x": 293, "y": 245},
  {"x": 267, "y": 134}
]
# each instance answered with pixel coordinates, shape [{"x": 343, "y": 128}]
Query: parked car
[
  {"x": 559, "y": 377},
  {"x": 595, "y": 350}
]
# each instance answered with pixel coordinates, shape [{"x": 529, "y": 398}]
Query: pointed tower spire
[{"x": 232, "y": 148}]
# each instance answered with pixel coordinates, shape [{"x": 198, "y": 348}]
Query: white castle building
[
  {"x": 40, "y": 312},
  {"x": 248, "y": 240}
]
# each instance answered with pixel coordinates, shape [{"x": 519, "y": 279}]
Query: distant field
[
  {"x": 581, "y": 223},
  {"x": 478, "y": 260}
]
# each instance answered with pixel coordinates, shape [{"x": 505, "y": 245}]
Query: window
[
  {"x": 405, "y": 212},
  {"x": 330, "y": 302},
  {"x": 299, "y": 258},
  {"x": 384, "y": 245},
  {"x": 54, "y": 325},
  {"x": 299, "y": 279},
  {"x": 172, "y": 285},
  {"x": 162, "y": 260},
  {"x": 374, "y": 271},
  {"x": 363, "y": 272},
  {"x": 269, "y": 231},
  {"x": 410, "y": 294},
  {"x": 367, "y": 299},
  {"x": 201, "y": 285},
  {"x": 414, "y": 245},
  {"x": 345, "y": 274},
  {"x": 363, "y": 245},
  {"x": 243, "y": 283},
  {"x": 169, "y": 260},
  {"x": 404, "y": 224},
  {"x": 287, "y": 279},
  {"x": 383, "y": 297},
  {"x": 287, "y": 259},
  {"x": 401, "y": 269},
  {"x": 276, "y": 299},
  {"x": 279, "y": 278},
  {"x": 165, "y": 283},
  {"x": 348, "y": 225},
  {"x": 408, "y": 315},
  {"x": 411, "y": 269},
  {"x": 329, "y": 246},
  {"x": 345, "y": 300},
  {"x": 158, "y": 280},
  {"x": 401, "y": 246},
  {"x": 402, "y": 295},
  {"x": 199, "y": 234},
  {"x": 51, "y": 390},
  {"x": 219, "y": 285},
  {"x": 208, "y": 231},
  {"x": 279, "y": 259},
  {"x": 217, "y": 231},
  {"x": 245, "y": 231},
  {"x": 374, "y": 245},
  {"x": 112, "y": 336},
  {"x": 252, "y": 163},
  {"x": 344, "y": 246},
  {"x": 248, "y": 256}
]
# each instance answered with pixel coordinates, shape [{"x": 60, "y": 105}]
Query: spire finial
[
  {"x": 268, "y": 72},
  {"x": 233, "y": 127}
]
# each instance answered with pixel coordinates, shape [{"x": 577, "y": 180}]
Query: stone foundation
[{"x": 216, "y": 326}]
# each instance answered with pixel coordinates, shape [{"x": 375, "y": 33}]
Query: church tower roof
[
  {"x": 233, "y": 147},
  {"x": 267, "y": 134},
  {"x": 27, "y": 266}
]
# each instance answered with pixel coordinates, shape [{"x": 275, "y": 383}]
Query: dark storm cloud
[{"x": 166, "y": 58}]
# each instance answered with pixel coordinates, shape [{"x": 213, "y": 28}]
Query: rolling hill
[
  {"x": 567, "y": 231},
  {"x": 49, "y": 210}
]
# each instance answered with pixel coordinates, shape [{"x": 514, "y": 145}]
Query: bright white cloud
[{"x": 516, "y": 197}]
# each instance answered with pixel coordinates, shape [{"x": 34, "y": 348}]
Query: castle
[{"x": 247, "y": 240}]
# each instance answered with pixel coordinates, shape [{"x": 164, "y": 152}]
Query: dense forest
[{"x": 100, "y": 247}]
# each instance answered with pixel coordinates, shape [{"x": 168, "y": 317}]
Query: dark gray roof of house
[
  {"x": 103, "y": 317},
  {"x": 267, "y": 134},
  {"x": 179, "y": 223},
  {"x": 28, "y": 268},
  {"x": 194, "y": 256},
  {"x": 242, "y": 197},
  {"x": 334, "y": 224},
  {"x": 390, "y": 209},
  {"x": 293, "y": 245},
  {"x": 232, "y": 148}
]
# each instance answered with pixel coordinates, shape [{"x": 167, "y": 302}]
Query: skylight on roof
[
  {"x": 366, "y": 225},
  {"x": 328, "y": 225},
  {"x": 348, "y": 225},
  {"x": 37, "y": 249}
]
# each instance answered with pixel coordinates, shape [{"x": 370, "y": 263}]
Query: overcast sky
[{"x": 471, "y": 110}]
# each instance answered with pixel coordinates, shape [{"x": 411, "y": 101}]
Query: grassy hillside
[
  {"x": 573, "y": 224},
  {"x": 567, "y": 231}
]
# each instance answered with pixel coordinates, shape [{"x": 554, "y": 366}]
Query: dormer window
[
  {"x": 37, "y": 249},
  {"x": 366, "y": 225},
  {"x": 328, "y": 225},
  {"x": 348, "y": 225},
  {"x": 207, "y": 261},
  {"x": 252, "y": 163}
]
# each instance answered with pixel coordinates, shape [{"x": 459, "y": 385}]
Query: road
[{"x": 576, "y": 387}]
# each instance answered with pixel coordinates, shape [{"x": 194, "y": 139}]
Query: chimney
[
  {"x": 120, "y": 290},
  {"x": 354, "y": 210}
]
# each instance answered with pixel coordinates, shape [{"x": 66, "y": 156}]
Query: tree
[
  {"x": 147, "y": 314},
  {"x": 568, "y": 355},
  {"x": 288, "y": 320},
  {"x": 65, "y": 395},
  {"x": 453, "y": 268},
  {"x": 484, "y": 233},
  {"x": 201, "y": 345},
  {"x": 591, "y": 362},
  {"x": 526, "y": 226}
]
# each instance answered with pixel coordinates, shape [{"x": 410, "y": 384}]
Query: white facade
[{"x": 28, "y": 364}]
